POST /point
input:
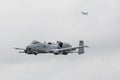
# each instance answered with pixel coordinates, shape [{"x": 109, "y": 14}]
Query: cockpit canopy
[
  {"x": 35, "y": 42},
  {"x": 49, "y": 43}
]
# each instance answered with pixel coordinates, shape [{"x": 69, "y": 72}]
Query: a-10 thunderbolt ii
[
  {"x": 57, "y": 48},
  {"x": 84, "y": 13}
]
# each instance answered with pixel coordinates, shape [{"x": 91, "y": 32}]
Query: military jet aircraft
[
  {"x": 84, "y": 13},
  {"x": 57, "y": 48}
]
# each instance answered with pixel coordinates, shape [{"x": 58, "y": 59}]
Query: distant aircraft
[
  {"x": 84, "y": 13},
  {"x": 59, "y": 47}
]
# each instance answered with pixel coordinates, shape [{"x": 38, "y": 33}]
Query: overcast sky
[{"x": 22, "y": 21}]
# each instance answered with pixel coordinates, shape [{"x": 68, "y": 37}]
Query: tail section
[{"x": 81, "y": 49}]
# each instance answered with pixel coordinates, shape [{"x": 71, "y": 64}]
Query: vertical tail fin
[{"x": 81, "y": 50}]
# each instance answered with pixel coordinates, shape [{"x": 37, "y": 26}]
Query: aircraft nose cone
[{"x": 27, "y": 50}]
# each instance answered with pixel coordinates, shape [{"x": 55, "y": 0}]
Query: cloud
[
  {"x": 88, "y": 66},
  {"x": 52, "y": 20}
]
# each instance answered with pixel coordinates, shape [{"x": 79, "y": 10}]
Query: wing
[
  {"x": 69, "y": 49},
  {"x": 22, "y": 50},
  {"x": 19, "y": 48}
]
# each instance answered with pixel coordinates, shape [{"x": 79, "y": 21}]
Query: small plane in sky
[
  {"x": 84, "y": 13},
  {"x": 57, "y": 48}
]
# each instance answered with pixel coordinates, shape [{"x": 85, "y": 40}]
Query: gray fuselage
[{"x": 45, "y": 47}]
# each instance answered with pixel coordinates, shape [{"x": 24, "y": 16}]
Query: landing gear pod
[{"x": 81, "y": 49}]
